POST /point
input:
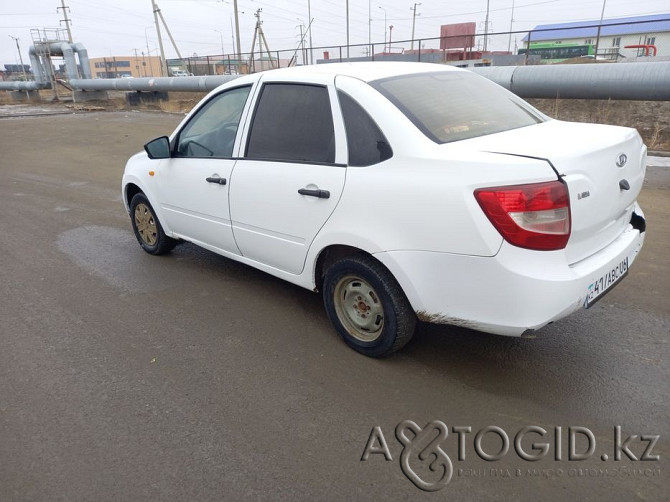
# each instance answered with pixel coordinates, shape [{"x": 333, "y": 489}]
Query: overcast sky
[{"x": 118, "y": 27}]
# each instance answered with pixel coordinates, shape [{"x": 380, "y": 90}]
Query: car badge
[{"x": 621, "y": 160}]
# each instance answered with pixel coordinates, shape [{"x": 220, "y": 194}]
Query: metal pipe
[
  {"x": 22, "y": 86},
  {"x": 84, "y": 63},
  {"x": 185, "y": 84},
  {"x": 646, "y": 47},
  {"x": 646, "y": 81},
  {"x": 65, "y": 49},
  {"x": 634, "y": 81},
  {"x": 38, "y": 69}
]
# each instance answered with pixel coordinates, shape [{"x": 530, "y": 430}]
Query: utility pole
[
  {"x": 167, "y": 29},
  {"x": 137, "y": 64},
  {"x": 160, "y": 39},
  {"x": 23, "y": 68},
  {"x": 144, "y": 65},
  {"x": 237, "y": 35},
  {"x": 347, "y": 30},
  {"x": 382, "y": 8},
  {"x": 309, "y": 28},
  {"x": 232, "y": 36},
  {"x": 221, "y": 37},
  {"x": 511, "y": 22},
  {"x": 258, "y": 32},
  {"x": 602, "y": 14},
  {"x": 157, "y": 14},
  {"x": 67, "y": 21},
  {"x": 370, "y": 23},
  {"x": 151, "y": 66},
  {"x": 303, "y": 51},
  {"x": 486, "y": 25},
  {"x": 390, "y": 36},
  {"x": 414, "y": 14}
]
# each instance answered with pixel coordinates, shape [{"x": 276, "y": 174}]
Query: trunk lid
[{"x": 603, "y": 166}]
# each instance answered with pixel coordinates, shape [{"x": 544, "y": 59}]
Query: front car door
[
  {"x": 291, "y": 175},
  {"x": 194, "y": 183}
]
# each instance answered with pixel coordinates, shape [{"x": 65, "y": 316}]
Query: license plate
[{"x": 603, "y": 284}]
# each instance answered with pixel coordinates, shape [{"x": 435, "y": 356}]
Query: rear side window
[
  {"x": 367, "y": 144},
  {"x": 451, "y": 106},
  {"x": 293, "y": 122}
]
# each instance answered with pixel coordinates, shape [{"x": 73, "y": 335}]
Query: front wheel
[
  {"x": 367, "y": 306},
  {"x": 147, "y": 228}
]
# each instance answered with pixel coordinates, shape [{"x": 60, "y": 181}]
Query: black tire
[
  {"x": 147, "y": 228},
  {"x": 379, "y": 320}
]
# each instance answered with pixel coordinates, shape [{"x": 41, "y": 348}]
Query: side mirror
[{"x": 158, "y": 148}]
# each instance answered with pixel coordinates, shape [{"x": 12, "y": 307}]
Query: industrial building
[
  {"x": 627, "y": 37},
  {"x": 125, "y": 66}
]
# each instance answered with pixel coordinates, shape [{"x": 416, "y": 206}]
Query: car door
[
  {"x": 194, "y": 182},
  {"x": 291, "y": 175}
]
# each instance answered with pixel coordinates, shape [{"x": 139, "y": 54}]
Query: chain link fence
[{"x": 612, "y": 42}]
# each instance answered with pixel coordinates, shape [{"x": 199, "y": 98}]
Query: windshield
[{"x": 452, "y": 106}]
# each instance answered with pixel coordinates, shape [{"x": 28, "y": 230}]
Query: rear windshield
[{"x": 452, "y": 106}]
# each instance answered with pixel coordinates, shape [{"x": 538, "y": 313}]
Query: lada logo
[{"x": 621, "y": 160}]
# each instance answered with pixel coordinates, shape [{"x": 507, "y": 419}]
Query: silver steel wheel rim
[
  {"x": 359, "y": 308},
  {"x": 146, "y": 224}
]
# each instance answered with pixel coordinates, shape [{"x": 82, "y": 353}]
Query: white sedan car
[{"x": 402, "y": 191}]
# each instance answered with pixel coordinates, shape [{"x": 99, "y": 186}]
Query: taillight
[{"x": 534, "y": 216}]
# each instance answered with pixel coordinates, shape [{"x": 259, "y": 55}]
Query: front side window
[
  {"x": 212, "y": 130},
  {"x": 293, "y": 122},
  {"x": 458, "y": 105}
]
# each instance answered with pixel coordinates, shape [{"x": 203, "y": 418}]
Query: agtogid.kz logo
[{"x": 424, "y": 461}]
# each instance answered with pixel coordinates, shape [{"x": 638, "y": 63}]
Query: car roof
[{"x": 366, "y": 71}]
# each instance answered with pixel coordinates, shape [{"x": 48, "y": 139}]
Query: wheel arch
[
  {"x": 335, "y": 252},
  {"x": 329, "y": 255},
  {"x": 130, "y": 190}
]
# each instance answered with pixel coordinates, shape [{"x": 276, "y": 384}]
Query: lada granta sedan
[{"x": 402, "y": 192}]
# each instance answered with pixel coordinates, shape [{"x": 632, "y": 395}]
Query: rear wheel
[
  {"x": 367, "y": 306},
  {"x": 147, "y": 228}
]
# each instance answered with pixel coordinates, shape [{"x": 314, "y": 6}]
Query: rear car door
[{"x": 292, "y": 173}]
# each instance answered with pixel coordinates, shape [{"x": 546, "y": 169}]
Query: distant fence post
[
  {"x": 419, "y": 58},
  {"x": 527, "y": 49}
]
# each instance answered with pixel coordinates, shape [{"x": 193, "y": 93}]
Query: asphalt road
[{"x": 191, "y": 377}]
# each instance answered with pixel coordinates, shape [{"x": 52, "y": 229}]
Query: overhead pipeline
[{"x": 648, "y": 81}]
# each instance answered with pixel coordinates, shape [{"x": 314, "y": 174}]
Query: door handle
[
  {"x": 219, "y": 181},
  {"x": 321, "y": 194}
]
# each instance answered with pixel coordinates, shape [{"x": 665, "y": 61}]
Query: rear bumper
[{"x": 507, "y": 294}]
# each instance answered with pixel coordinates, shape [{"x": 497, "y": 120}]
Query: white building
[{"x": 611, "y": 38}]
